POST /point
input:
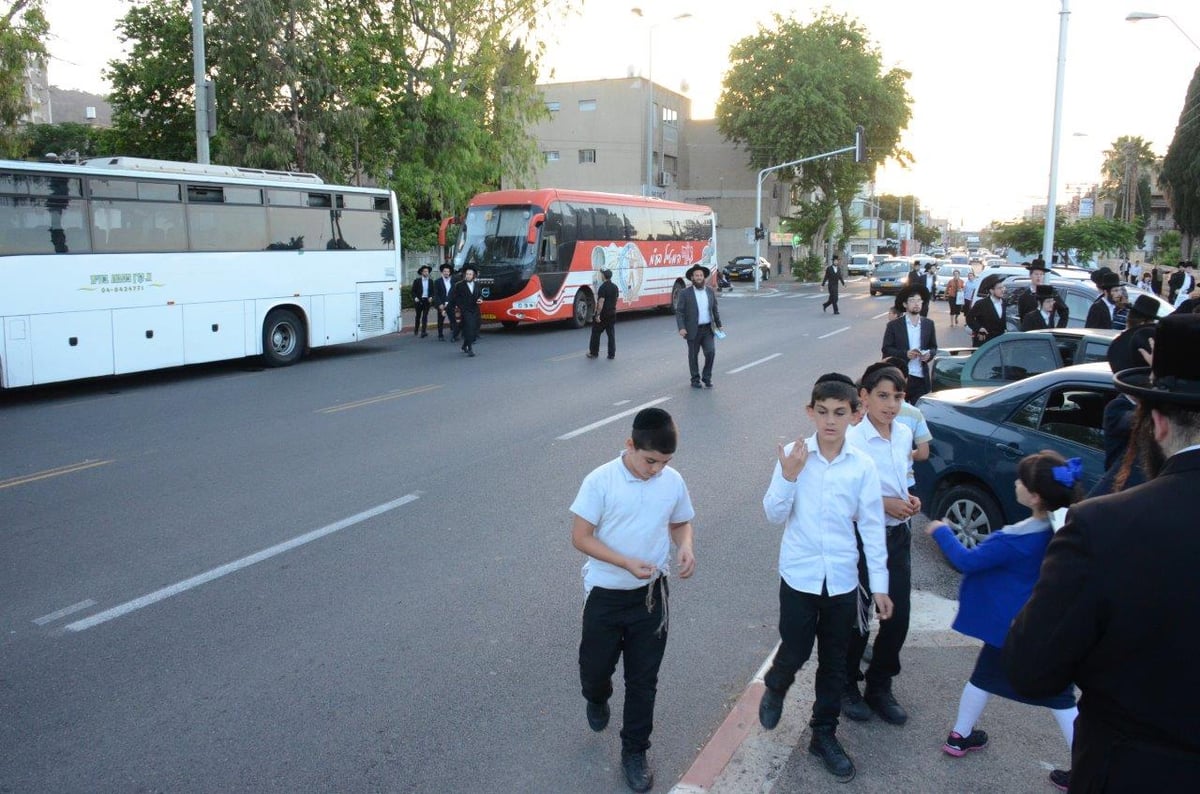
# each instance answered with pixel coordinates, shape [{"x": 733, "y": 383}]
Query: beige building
[{"x": 596, "y": 138}]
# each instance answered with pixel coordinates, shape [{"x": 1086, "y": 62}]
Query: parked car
[
  {"x": 741, "y": 268},
  {"x": 980, "y": 434},
  {"x": 890, "y": 276},
  {"x": 1078, "y": 295},
  {"x": 1017, "y": 355},
  {"x": 860, "y": 265}
]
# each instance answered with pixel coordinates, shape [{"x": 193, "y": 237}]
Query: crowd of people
[{"x": 1099, "y": 608}]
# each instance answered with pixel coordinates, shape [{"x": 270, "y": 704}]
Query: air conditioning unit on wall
[{"x": 666, "y": 179}]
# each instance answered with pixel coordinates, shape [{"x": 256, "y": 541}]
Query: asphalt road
[{"x": 355, "y": 574}]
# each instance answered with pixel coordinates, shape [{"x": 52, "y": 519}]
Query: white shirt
[
  {"x": 448, "y": 284},
  {"x": 915, "y": 369},
  {"x": 819, "y": 511},
  {"x": 891, "y": 457},
  {"x": 703, "y": 315},
  {"x": 424, "y": 287},
  {"x": 632, "y": 517},
  {"x": 912, "y": 418}
]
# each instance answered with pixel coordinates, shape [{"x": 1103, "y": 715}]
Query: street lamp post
[
  {"x": 198, "y": 76},
  {"x": 1051, "y": 193},
  {"x": 648, "y": 187},
  {"x": 1138, "y": 16}
]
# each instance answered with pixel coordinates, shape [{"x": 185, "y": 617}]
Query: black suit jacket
[
  {"x": 1028, "y": 302},
  {"x": 687, "y": 313},
  {"x": 833, "y": 275},
  {"x": 1114, "y": 610},
  {"x": 463, "y": 299},
  {"x": 982, "y": 316},
  {"x": 1033, "y": 321},
  {"x": 441, "y": 293},
  {"x": 1098, "y": 315},
  {"x": 416, "y": 289},
  {"x": 895, "y": 341}
]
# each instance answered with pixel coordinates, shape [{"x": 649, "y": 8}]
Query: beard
[{"x": 1141, "y": 437}]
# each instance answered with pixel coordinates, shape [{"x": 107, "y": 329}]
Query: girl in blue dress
[{"x": 998, "y": 578}]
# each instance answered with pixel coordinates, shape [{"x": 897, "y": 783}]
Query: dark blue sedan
[{"x": 980, "y": 434}]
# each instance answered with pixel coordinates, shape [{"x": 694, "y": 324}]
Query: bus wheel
[
  {"x": 676, "y": 288},
  {"x": 283, "y": 338},
  {"x": 582, "y": 315},
  {"x": 508, "y": 325}
]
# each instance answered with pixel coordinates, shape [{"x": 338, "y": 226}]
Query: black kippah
[
  {"x": 836, "y": 377},
  {"x": 651, "y": 419}
]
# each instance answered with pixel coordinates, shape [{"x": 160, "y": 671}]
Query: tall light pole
[
  {"x": 1051, "y": 194},
  {"x": 648, "y": 187},
  {"x": 1138, "y": 16},
  {"x": 198, "y": 78}
]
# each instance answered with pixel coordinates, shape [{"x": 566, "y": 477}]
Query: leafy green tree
[
  {"x": 1126, "y": 169},
  {"x": 793, "y": 91},
  {"x": 1092, "y": 236},
  {"x": 1180, "y": 176},
  {"x": 1170, "y": 248},
  {"x": 66, "y": 139},
  {"x": 22, "y": 30},
  {"x": 1025, "y": 237}
]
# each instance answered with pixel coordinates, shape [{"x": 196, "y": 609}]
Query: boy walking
[
  {"x": 626, "y": 515},
  {"x": 820, "y": 487}
]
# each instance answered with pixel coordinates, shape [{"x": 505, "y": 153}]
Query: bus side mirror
[
  {"x": 534, "y": 224},
  {"x": 442, "y": 230}
]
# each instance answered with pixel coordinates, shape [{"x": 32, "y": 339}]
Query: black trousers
[
  {"x": 470, "y": 328},
  {"x": 421, "y": 324},
  {"x": 704, "y": 340},
  {"x": 917, "y": 386},
  {"x": 829, "y": 620},
  {"x": 833, "y": 300},
  {"x": 445, "y": 312},
  {"x": 603, "y": 325},
  {"x": 885, "y": 657},
  {"x": 617, "y": 623}
]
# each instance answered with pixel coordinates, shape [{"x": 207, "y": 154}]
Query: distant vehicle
[
  {"x": 125, "y": 264},
  {"x": 741, "y": 268},
  {"x": 1078, "y": 295},
  {"x": 890, "y": 276},
  {"x": 860, "y": 265},
  {"x": 539, "y": 253},
  {"x": 944, "y": 273},
  {"x": 1017, "y": 355},
  {"x": 980, "y": 434},
  {"x": 937, "y": 251},
  {"x": 959, "y": 258}
]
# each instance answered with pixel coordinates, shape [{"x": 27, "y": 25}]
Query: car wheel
[
  {"x": 873, "y": 293},
  {"x": 971, "y": 513}
]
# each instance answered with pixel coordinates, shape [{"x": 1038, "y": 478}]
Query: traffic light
[
  {"x": 759, "y": 233},
  {"x": 860, "y": 144}
]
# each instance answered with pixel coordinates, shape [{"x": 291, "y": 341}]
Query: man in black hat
[
  {"x": 441, "y": 300},
  {"x": 833, "y": 275},
  {"x": 606, "y": 315},
  {"x": 465, "y": 299},
  {"x": 929, "y": 284},
  {"x": 912, "y": 339},
  {"x": 1100, "y": 315},
  {"x": 986, "y": 317},
  {"x": 697, "y": 318},
  {"x": 1182, "y": 280},
  {"x": 1116, "y": 606},
  {"x": 1029, "y": 300},
  {"x": 1044, "y": 314},
  {"x": 422, "y": 296}
]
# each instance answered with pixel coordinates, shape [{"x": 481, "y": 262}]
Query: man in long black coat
[
  {"x": 1029, "y": 301},
  {"x": 986, "y": 317},
  {"x": 465, "y": 298},
  {"x": 1116, "y": 607},
  {"x": 833, "y": 275}
]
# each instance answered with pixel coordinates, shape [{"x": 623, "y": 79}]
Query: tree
[
  {"x": 1126, "y": 171},
  {"x": 1180, "y": 176},
  {"x": 793, "y": 91},
  {"x": 22, "y": 30},
  {"x": 1025, "y": 237},
  {"x": 1090, "y": 236},
  {"x": 68, "y": 139}
]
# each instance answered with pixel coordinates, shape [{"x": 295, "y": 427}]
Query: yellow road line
[
  {"x": 41, "y": 475},
  {"x": 333, "y": 409}
]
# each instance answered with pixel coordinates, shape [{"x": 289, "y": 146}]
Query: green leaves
[
  {"x": 1181, "y": 167},
  {"x": 22, "y": 30}
]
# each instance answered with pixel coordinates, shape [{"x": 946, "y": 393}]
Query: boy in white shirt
[
  {"x": 820, "y": 487},
  {"x": 889, "y": 444},
  {"x": 625, "y": 517}
]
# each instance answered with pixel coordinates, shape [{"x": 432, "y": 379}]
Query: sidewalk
[{"x": 1025, "y": 743}]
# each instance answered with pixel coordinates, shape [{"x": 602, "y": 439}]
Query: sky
[{"x": 983, "y": 78}]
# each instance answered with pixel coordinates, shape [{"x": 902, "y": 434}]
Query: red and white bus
[{"x": 539, "y": 253}]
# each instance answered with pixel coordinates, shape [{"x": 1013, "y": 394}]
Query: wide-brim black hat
[
  {"x": 472, "y": 268},
  {"x": 1145, "y": 306},
  {"x": 1104, "y": 271},
  {"x": 989, "y": 283},
  {"x": 1109, "y": 280},
  {"x": 694, "y": 268},
  {"x": 1037, "y": 264},
  {"x": 1174, "y": 377},
  {"x": 424, "y": 269},
  {"x": 1123, "y": 350},
  {"x": 1043, "y": 292}
]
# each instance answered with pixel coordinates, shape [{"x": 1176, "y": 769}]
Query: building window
[
  {"x": 587, "y": 104},
  {"x": 670, "y": 116},
  {"x": 553, "y": 106},
  {"x": 551, "y": 156},
  {"x": 587, "y": 155}
]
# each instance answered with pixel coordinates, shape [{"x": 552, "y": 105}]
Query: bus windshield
[{"x": 494, "y": 240}]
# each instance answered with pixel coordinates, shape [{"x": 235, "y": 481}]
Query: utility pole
[{"x": 201, "y": 93}]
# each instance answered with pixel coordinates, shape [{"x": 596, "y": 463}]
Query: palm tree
[{"x": 1126, "y": 169}]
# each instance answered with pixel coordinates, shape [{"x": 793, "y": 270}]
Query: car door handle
[{"x": 1009, "y": 450}]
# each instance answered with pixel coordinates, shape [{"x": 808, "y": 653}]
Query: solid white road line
[
  {"x": 621, "y": 402},
  {"x": 753, "y": 364},
  {"x": 613, "y": 418},
  {"x": 236, "y": 565},
  {"x": 881, "y": 314},
  {"x": 831, "y": 333},
  {"x": 62, "y": 613}
]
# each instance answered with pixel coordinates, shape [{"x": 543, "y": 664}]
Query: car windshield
[
  {"x": 949, "y": 270},
  {"x": 892, "y": 267}
]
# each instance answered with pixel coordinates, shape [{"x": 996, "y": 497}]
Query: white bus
[{"x": 122, "y": 265}]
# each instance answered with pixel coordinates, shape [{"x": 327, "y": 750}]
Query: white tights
[{"x": 973, "y": 700}]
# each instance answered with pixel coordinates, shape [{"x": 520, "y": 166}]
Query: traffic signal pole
[{"x": 860, "y": 156}]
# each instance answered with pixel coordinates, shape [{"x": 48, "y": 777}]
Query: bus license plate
[{"x": 488, "y": 316}]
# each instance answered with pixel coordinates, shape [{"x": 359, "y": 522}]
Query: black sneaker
[
  {"x": 597, "y": 716},
  {"x": 1061, "y": 779},
  {"x": 958, "y": 746},
  {"x": 853, "y": 705},
  {"x": 770, "y": 708},
  {"x": 696, "y": 384},
  {"x": 824, "y": 745},
  {"x": 884, "y": 704},
  {"x": 637, "y": 774}
]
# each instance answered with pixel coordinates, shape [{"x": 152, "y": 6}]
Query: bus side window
[{"x": 549, "y": 251}]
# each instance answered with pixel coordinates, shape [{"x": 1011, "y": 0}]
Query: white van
[{"x": 860, "y": 265}]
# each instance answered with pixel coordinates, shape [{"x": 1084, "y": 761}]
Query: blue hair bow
[{"x": 1069, "y": 474}]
